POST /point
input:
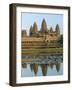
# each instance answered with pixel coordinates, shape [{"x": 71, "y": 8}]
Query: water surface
[{"x": 48, "y": 65}]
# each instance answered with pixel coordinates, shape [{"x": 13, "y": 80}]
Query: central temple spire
[{"x": 43, "y": 26}]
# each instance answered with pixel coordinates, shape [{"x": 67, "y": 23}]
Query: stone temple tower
[
  {"x": 44, "y": 26},
  {"x": 34, "y": 29},
  {"x": 57, "y": 30}
]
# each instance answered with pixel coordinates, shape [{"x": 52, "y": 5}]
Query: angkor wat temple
[{"x": 42, "y": 38}]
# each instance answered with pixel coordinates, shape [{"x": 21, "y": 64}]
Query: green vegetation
[
  {"x": 45, "y": 50},
  {"x": 27, "y": 60}
]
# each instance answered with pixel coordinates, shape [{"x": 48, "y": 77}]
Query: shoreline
[{"x": 46, "y": 51}]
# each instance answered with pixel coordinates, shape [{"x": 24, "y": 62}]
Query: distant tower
[
  {"x": 51, "y": 29},
  {"x": 34, "y": 29},
  {"x": 24, "y": 33},
  {"x": 57, "y": 30},
  {"x": 44, "y": 26},
  {"x": 30, "y": 33}
]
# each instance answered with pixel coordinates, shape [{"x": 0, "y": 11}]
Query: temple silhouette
[{"x": 41, "y": 38}]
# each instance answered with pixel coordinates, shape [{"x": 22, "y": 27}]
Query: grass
[
  {"x": 27, "y": 60},
  {"x": 44, "y": 50}
]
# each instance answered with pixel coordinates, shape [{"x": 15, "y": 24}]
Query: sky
[{"x": 28, "y": 19}]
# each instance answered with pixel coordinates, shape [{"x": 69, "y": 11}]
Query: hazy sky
[{"x": 28, "y": 19}]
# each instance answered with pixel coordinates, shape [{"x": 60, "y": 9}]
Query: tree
[{"x": 44, "y": 26}]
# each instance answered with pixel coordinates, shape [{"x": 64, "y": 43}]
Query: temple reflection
[
  {"x": 24, "y": 65},
  {"x": 58, "y": 66},
  {"x": 34, "y": 68},
  {"x": 51, "y": 65},
  {"x": 44, "y": 67}
]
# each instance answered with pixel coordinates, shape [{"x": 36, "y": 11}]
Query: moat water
[{"x": 50, "y": 65}]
